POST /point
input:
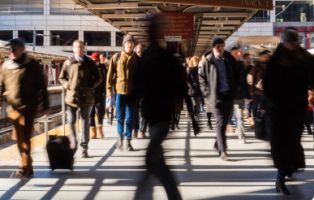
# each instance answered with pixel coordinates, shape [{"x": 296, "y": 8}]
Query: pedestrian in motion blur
[
  {"x": 160, "y": 82},
  {"x": 22, "y": 83},
  {"x": 288, "y": 76},
  {"x": 79, "y": 77},
  {"x": 96, "y": 129}
]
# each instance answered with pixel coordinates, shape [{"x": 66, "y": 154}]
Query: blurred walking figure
[
  {"x": 79, "y": 77},
  {"x": 159, "y": 85},
  {"x": 247, "y": 63},
  {"x": 121, "y": 72},
  {"x": 138, "y": 121},
  {"x": 22, "y": 83},
  {"x": 217, "y": 76},
  {"x": 96, "y": 130},
  {"x": 288, "y": 76},
  {"x": 240, "y": 94}
]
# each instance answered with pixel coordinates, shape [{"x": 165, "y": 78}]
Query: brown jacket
[
  {"x": 121, "y": 72},
  {"x": 22, "y": 82},
  {"x": 80, "y": 80}
]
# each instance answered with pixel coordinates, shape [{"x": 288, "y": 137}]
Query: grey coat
[{"x": 208, "y": 77}]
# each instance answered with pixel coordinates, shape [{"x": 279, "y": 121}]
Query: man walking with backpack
[{"x": 121, "y": 76}]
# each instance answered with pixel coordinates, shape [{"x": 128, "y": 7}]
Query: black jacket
[
  {"x": 194, "y": 89},
  {"x": 159, "y": 82},
  {"x": 288, "y": 76}
]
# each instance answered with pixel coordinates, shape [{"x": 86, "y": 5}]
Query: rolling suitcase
[{"x": 60, "y": 153}]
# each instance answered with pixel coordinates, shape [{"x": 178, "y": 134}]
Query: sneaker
[
  {"x": 119, "y": 144},
  {"x": 224, "y": 156},
  {"x": 129, "y": 146},
  {"x": 22, "y": 173},
  {"x": 84, "y": 153}
]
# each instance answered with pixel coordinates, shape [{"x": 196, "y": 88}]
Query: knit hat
[
  {"x": 290, "y": 34},
  {"x": 16, "y": 42},
  {"x": 95, "y": 56},
  {"x": 128, "y": 38},
  {"x": 217, "y": 40}
]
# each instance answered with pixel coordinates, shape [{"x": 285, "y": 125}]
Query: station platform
[{"x": 112, "y": 174}]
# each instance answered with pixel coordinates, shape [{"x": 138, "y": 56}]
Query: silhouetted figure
[
  {"x": 159, "y": 85},
  {"x": 288, "y": 77},
  {"x": 22, "y": 83}
]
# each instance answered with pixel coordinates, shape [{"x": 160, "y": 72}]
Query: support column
[{"x": 113, "y": 39}]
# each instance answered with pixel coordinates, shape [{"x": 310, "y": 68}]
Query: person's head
[
  {"x": 78, "y": 48},
  {"x": 264, "y": 56},
  {"x": 236, "y": 52},
  {"x": 218, "y": 47},
  {"x": 128, "y": 43},
  {"x": 17, "y": 48},
  {"x": 193, "y": 62},
  {"x": 95, "y": 57},
  {"x": 139, "y": 49},
  {"x": 102, "y": 59},
  {"x": 246, "y": 59},
  {"x": 290, "y": 38}
]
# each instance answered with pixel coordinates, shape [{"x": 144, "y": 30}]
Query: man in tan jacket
[{"x": 121, "y": 77}]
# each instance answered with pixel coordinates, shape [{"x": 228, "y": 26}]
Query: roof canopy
[{"x": 212, "y": 18}]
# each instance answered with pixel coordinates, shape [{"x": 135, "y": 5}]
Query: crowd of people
[{"x": 145, "y": 88}]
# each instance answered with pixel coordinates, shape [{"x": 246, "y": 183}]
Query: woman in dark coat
[{"x": 286, "y": 83}]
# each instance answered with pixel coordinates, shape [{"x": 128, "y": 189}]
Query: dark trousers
[
  {"x": 144, "y": 124},
  {"x": 136, "y": 116},
  {"x": 22, "y": 130},
  {"x": 155, "y": 163},
  {"x": 98, "y": 110},
  {"x": 222, "y": 113}
]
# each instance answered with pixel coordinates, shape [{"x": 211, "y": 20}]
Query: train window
[
  {"x": 97, "y": 38},
  {"x": 119, "y": 38},
  {"x": 27, "y": 36},
  {"x": 63, "y": 38},
  {"x": 6, "y": 35}
]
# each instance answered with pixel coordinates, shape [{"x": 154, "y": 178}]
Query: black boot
[
  {"x": 281, "y": 186},
  {"x": 209, "y": 123}
]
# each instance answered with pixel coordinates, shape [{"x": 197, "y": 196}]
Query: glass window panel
[
  {"x": 6, "y": 35},
  {"x": 97, "y": 38},
  {"x": 119, "y": 38},
  {"x": 63, "y": 38}
]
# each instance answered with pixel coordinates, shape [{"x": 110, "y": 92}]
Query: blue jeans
[
  {"x": 238, "y": 107},
  {"x": 124, "y": 110},
  {"x": 85, "y": 111}
]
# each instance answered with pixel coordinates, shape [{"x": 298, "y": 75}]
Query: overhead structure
[{"x": 211, "y": 18}]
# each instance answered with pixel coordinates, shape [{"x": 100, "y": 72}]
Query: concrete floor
[{"x": 201, "y": 174}]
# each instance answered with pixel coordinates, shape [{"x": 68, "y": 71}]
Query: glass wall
[
  {"x": 119, "y": 38},
  {"x": 63, "y": 38},
  {"x": 294, "y": 11},
  {"x": 27, "y": 36},
  {"x": 97, "y": 38},
  {"x": 6, "y": 35},
  {"x": 22, "y": 7},
  {"x": 261, "y": 16},
  {"x": 66, "y": 7}
]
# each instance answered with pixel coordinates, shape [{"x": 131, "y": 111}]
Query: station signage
[
  {"x": 249, "y": 4},
  {"x": 177, "y": 26}
]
